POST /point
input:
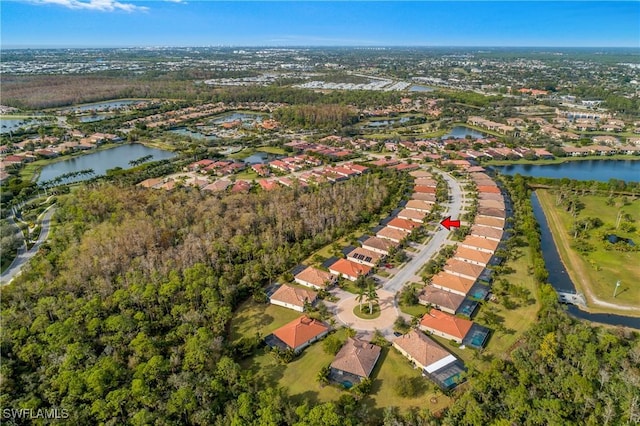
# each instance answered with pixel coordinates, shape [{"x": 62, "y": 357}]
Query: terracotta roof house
[
  {"x": 494, "y": 222},
  {"x": 419, "y": 205},
  {"x": 298, "y": 334},
  {"x": 435, "y": 362},
  {"x": 355, "y": 361},
  {"x": 379, "y": 245},
  {"x": 489, "y": 189},
  {"x": 490, "y": 196},
  {"x": 315, "y": 278},
  {"x": 445, "y": 325},
  {"x": 219, "y": 185},
  {"x": 402, "y": 224},
  {"x": 487, "y": 232},
  {"x": 423, "y": 196},
  {"x": 268, "y": 185},
  {"x": 490, "y": 212},
  {"x": 491, "y": 204},
  {"x": 349, "y": 270},
  {"x": 440, "y": 299},
  {"x": 392, "y": 234},
  {"x": 412, "y": 215},
  {"x": 293, "y": 297},
  {"x": 463, "y": 269},
  {"x": 424, "y": 189},
  {"x": 425, "y": 182},
  {"x": 420, "y": 174},
  {"x": 452, "y": 283},
  {"x": 241, "y": 186},
  {"x": 364, "y": 256},
  {"x": 472, "y": 256},
  {"x": 150, "y": 183},
  {"x": 481, "y": 244}
]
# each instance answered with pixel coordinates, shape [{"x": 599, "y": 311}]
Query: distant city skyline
[{"x": 111, "y": 23}]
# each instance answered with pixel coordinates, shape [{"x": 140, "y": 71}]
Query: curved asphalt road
[
  {"x": 23, "y": 255},
  {"x": 437, "y": 241}
]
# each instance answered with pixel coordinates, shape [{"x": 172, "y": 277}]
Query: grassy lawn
[
  {"x": 243, "y": 153},
  {"x": 272, "y": 150},
  {"x": 254, "y": 317},
  {"x": 597, "y": 272},
  {"x": 391, "y": 365},
  {"x": 413, "y": 310},
  {"x": 365, "y": 311},
  {"x": 247, "y": 174},
  {"x": 299, "y": 378},
  {"x": 518, "y": 320}
]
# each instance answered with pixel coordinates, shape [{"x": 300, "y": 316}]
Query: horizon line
[{"x": 306, "y": 46}]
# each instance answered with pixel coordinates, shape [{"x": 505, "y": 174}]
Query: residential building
[
  {"x": 349, "y": 270},
  {"x": 315, "y": 278},
  {"x": 355, "y": 361},
  {"x": 445, "y": 325},
  {"x": 293, "y": 297},
  {"x": 298, "y": 334}
]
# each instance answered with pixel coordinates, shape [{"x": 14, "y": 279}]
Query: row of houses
[
  {"x": 602, "y": 150},
  {"x": 335, "y": 153},
  {"x": 455, "y": 292}
]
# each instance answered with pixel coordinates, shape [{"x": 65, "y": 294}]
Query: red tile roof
[
  {"x": 351, "y": 269},
  {"x": 446, "y": 323},
  {"x": 300, "y": 331}
]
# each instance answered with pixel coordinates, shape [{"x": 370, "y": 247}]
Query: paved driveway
[{"x": 388, "y": 313}]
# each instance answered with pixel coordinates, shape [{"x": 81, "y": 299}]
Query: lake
[
  {"x": 384, "y": 123},
  {"x": 102, "y": 105},
  {"x": 101, "y": 161},
  {"x": 11, "y": 124},
  {"x": 183, "y": 131},
  {"x": 460, "y": 132},
  {"x": 418, "y": 88},
  {"x": 559, "y": 278},
  {"x": 242, "y": 116},
  {"x": 600, "y": 170},
  {"x": 94, "y": 117},
  {"x": 260, "y": 157}
]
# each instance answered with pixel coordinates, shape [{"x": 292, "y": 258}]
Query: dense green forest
[{"x": 122, "y": 318}]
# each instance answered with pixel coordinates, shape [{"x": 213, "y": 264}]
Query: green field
[
  {"x": 251, "y": 318},
  {"x": 596, "y": 272},
  {"x": 272, "y": 150}
]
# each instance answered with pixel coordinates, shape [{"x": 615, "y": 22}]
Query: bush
[
  {"x": 332, "y": 344},
  {"x": 408, "y": 387}
]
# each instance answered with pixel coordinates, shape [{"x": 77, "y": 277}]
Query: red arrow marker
[{"x": 448, "y": 223}]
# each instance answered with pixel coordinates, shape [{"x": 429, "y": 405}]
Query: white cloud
[{"x": 98, "y": 5}]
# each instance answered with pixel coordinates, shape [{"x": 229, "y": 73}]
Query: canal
[{"x": 559, "y": 278}]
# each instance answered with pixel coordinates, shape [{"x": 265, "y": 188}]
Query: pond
[
  {"x": 242, "y": 116},
  {"x": 101, "y": 161},
  {"x": 418, "y": 88},
  {"x": 600, "y": 170},
  {"x": 183, "y": 131},
  {"x": 383, "y": 123},
  {"x": 461, "y": 132},
  {"x": 12, "y": 124},
  {"x": 260, "y": 157},
  {"x": 93, "y": 118},
  {"x": 102, "y": 105},
  {"x": 559, "y": 278}
]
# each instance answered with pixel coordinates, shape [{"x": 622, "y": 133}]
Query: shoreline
[{"x": 560, "y": 160}]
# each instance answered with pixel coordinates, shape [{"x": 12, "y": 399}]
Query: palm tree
[
  {"x": 360, "y": 297},
  {"x": 372, "y": 296}
]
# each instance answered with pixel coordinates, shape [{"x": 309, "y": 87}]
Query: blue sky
[{"x": 115, "y": 23}]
